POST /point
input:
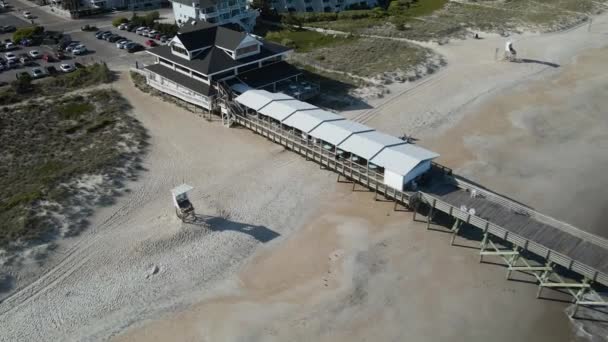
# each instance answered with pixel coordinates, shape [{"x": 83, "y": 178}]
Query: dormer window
[
  {"x": 247, "y": 50},
  {"x": 178, "y": 49}
]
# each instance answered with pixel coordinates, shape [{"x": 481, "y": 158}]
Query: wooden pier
[{"x": 513, "y": 226}]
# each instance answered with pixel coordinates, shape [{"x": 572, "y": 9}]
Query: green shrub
[
  {"x": 289, "y": 43},
  {"x": 120, "y": 20},
  {"x": 27, "y": 32},
  {"x": 72, "y": 111}
]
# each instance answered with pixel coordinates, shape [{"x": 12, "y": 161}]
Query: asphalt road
[{"x": 99, "y": 50}]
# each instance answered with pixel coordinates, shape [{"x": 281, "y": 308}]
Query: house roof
[
  {"x": 307, "y": 120},
  {"x": 261, "y": 77},
  {"x": 368, "y": 144},
  {"x": 214, "y": 60},
  {"x": 228, "y": 39},
  {"x": 401, "y": 159},
  {"x": 199, "y": 34},
  {"x": 335, "y": 132},
  {"x": 281, "y": 110},
  {"x": 185, "y": 81},
  {"x": 256, "y": 99}
]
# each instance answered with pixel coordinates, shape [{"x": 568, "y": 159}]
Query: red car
[
  {"x": 150, "y": 42},
  {"x": 48, "y": 58}
]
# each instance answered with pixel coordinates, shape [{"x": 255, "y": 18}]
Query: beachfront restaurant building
[
  {"x": 387, "y": 158},
  {"x": 201, "y": 55}
]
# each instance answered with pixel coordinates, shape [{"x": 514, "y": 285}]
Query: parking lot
[{"x": 99, "y": 50}]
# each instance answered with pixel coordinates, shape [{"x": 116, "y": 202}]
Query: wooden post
[
  {"x": 430, "y": 214},
  {"x": 455, "y": 230},
  {"x": 484, "y": 241},
  {"x": 513, "y": 261}
]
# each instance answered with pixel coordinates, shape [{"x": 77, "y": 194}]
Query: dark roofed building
[{"x": 201, "y": 55}]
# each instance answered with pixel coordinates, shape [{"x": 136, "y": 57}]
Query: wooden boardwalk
[{"x": 497, "y": 215}]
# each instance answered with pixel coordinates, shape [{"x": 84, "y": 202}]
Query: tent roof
[
  {"x": 307, "y": 120},
  {"x": 281, "y": 110},
  {"x": 256, "y": 99},
  {"x": 335, "y": 132},
  {"x": 401, "y": 159},
  {"x": 368, "y": 144}
]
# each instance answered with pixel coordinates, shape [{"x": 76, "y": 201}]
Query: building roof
[
  {"x": 281, "y": 110},
  {"x": 368, "y": 144},
  {"x": 256, "y": 99},
  {"x": 401, "y": 159},
  {"x": 228, "y": 39},
  {"x": 183, "y": 80},
  {"x": 335, "y": 132},
  {"x": 307, "y": 120},
  {"x": 259, "y": 78},
  {"x": 215, "y": 60}
]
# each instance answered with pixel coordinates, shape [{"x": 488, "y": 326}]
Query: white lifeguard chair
[{"x": 183, "y": 207}]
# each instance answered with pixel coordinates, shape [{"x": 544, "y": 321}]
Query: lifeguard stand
[{"x": 183, "y": 207}]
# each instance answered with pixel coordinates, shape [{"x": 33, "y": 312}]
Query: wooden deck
[{"x": 524, "y": 225}]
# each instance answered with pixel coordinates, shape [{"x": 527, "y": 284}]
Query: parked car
[
  {"x": 164, "y": 39},
  {"x": 79, "y": 50},
  {"x": 48, "y": 58},
  {"x": 123, "y": 26},
  {"x": 114, "y": 39},
  {"x": 59, "y": 55},
  {"x": 24, "y": 59},
  {"x": 51, "y": 70},
  {"x": 131, "y": 27},
  {"x": 25, "y": 42},
  {"x": 71, "y": 46},
  {"x": 34, "y": 53},
  {"x": 152, "y": 33},
  {"x": 2, "y": 67},
  {"x": 99, "y": 34},
  {"x": 131, "y": 48},
  {"x": 38, "y": 73},
  {"x": 11, "y": 63},
  {"x": 151, "y": 43},
  {"x": 120, "y": 42},
  {"x": 88, "y": 27},
  {"x": 8, "y": 29},
  {"x": 10, "y": 56},
  {"x": 140, "y": 30},
  {"x": 66, "y": 68},
  {"x": 28, "y": 15},
  {"x": 9, "y": 46},
  {"x": 106, "y": 35}
]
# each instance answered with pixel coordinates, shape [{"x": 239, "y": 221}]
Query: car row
[
  {"x": 7, "y": 29},
  {"x": 120, "y": 41},
  {"x": 39, "y": 72},
  {"x": 145, "y": 31}
]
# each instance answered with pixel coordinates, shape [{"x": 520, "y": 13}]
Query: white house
[{"x": 215, "y": 12}]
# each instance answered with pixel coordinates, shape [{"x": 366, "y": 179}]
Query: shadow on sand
[
  {"x": 220, "y": 224},
  {"x": 526, "y": 60}
]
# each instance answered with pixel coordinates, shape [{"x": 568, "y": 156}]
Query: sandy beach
[{"x": 285, "y": 253}]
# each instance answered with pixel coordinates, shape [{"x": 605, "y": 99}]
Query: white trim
[{"x": 219, "y": 72}]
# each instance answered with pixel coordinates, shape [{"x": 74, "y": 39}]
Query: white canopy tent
[
  {"x": 257, "y": 99},
  {"x": 335, "y": 132},
  {"x": 281, "y": 110},
  {"x": 403, "y": 163},
  {"x": 307, "y": 120},
  {"x": 367, "y": 144}
]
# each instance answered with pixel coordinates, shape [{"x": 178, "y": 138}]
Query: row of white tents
[{"x": 402, "y": 162}]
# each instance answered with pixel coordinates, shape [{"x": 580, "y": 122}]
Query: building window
[
  {"x": 246, "y": 50},
  {"x": 226, "y": 16},
  {"x": 182, "y": 69},
  {"x": 212, "y": 20},
  {"x": 327, "y": 9},
  {"x": 291, "y": 9},
  {"x": 309, "y": 9},
  {"x": 179, "y": 50}
]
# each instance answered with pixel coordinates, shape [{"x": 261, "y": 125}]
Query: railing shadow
[
  {"x": 526, "y": 60},
  {"x": 220, "y": 224}
]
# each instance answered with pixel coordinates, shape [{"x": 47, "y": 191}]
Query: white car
[
  {"x": 122, "y": 26},
  {"x": 10, "y": 56},
  {"x": 79, "y": 50},
  {"x": 152, "y": 34},
  {"x": 140, "y": 30},
  {"x": 34, "y": 53},
  {"x": 119, "y": 42},
  {"x": 9, "y": 46},
  {"x": 38, "y": 73},
  {"x": 28, "y": 15},
  {"x": 66, "y": 67}
]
